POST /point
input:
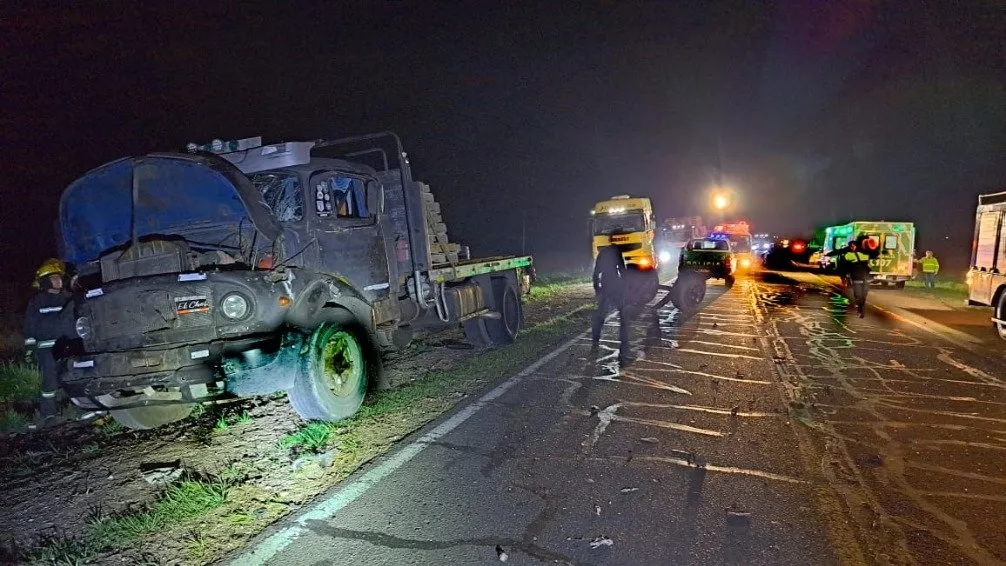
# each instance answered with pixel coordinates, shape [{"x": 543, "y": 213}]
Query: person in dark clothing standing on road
[
  {"x": 856, "y": 266},
  {"x": 609, "y": 288},
  {"x": 49, "y": 315}
]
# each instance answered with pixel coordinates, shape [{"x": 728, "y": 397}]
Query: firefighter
[
  {"x": 45, "y": 323},
  {"x": 930, "y": 267},
  {"x": 610, "y": 289},
  {"x": 856, "y": 266}
]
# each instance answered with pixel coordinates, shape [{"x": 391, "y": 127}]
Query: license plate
[{"x": 192, "y": 305}]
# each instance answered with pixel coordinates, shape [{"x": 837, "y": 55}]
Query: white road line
[{"x": 351, "y": 491}]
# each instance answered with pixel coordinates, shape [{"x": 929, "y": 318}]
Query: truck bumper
[{"x": 190, "y": 373}]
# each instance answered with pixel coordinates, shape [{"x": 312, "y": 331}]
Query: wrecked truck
[{"x": 241, "y": 269}]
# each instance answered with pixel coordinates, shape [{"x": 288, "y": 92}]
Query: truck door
[{"x": 345, "y": 213}]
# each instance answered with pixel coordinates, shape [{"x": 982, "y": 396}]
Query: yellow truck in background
[{"x": 629, "y": 223}]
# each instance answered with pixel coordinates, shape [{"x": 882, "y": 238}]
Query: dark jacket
[
  {"x": 609, "y": 271},
  {"x": 856, "y": 265},
  {"x": 49, "y": 316}
]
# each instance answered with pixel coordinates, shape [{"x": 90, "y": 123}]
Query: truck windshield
[
  {"x": 607, "y": 224},
  {"x": 741, "y": 244},
  {"x": 720, "y": 245}
]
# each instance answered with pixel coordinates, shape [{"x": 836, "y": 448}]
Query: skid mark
[
  {"x": 960, "y": 443},
  {"x": 717, "y": 332},
  {"x": 703, "y": 374},
  {"x": 716, "y": 323},
  {"x": 973, "y": 372},
  {"x": 720, "y": 354},
  {"x": 722, "y": 469},
  {"x": 724, "y": 345},
  {"x": 669, "y": 425},
  {"x": 713, "y": 410},
  {"x": 832, "y": 357}
]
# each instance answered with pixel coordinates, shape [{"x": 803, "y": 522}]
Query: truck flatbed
[{"x": 478, "y": 266}]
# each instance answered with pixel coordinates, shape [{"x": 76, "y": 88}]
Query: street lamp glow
[{"x": 720, "y": 201}]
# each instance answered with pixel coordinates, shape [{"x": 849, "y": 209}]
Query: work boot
[{"x": 46, "y": 422}]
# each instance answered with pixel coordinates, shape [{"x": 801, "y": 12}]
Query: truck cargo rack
[{"x": 480, "y": 266}]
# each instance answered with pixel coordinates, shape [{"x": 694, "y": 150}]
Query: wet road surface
[{"x": 771, "y": 427}]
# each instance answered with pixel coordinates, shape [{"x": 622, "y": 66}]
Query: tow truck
[
  {"x": 891, "y": 245},
  {"x": 628, "y": 223},
  {"x": 241, "y": 269}
]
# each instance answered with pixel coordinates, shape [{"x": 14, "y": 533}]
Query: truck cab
[
  {"x": 629, "y": 224},
  {"x": 243, "y": 269}
]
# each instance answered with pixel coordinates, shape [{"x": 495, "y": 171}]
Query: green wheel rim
[{"x": 341, "y": 363}]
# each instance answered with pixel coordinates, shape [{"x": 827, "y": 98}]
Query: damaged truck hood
[{"x": 174, "y": 194}]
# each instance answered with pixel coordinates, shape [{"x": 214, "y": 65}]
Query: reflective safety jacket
[
  {"x": 857, "y": 265},
  {"x": 930, "y": 265},
  {"x": 49, "y": 317}
]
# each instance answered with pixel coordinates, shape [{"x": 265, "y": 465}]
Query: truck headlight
[
  {"x": 234, "y": 306},
  {"x": 83, "y": 327},
  {"x": 665, "y": 256}
]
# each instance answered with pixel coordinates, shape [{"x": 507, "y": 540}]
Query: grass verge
[
  {"x": 20, "y": 383},
  {"x": 943, "y": 289},
  {"x": 552, "y": 286},
  {"x": 209, "y": 519},
  {"x": 179, "y": 502}
]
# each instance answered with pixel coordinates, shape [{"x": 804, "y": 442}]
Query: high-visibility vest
[
  {"x": 930, "y": 265},
  {"x": 855, "y": 256}
]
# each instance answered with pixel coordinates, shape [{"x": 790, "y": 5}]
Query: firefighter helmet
[{"x": 51, "y": 266}]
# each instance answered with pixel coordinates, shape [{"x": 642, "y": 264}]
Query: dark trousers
[
  {"x": 50, "y": 382},
  {"x": 606, "y": 304},
  {"x": 930, "y": 279},
  {"x": 859, "y": 291}
]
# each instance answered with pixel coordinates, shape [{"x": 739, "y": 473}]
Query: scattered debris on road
[
  {"x": 597, "y": 510},
  {"x": 503, "y": 556},
  {"x": 601, "y": 541},
  {"x": 161, "y": 473},
  {"x": 629, "y": 489},
  {"x": 649, "y": 440},
  {"x": 737, "y": 517}
]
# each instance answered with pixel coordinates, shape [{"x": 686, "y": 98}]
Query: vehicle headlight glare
[
  {"x": 665, "y": 256},
  {"x": 83, "y": 327},
  {"x": 234, "y": 306}
]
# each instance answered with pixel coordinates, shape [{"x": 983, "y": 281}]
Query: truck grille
[{"x": 130, "y": 318}]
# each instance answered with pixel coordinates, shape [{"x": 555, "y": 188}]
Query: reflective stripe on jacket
[{"x": 930, "y": 264}]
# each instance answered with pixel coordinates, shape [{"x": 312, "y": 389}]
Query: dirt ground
[{"x": 56, "y": 483}]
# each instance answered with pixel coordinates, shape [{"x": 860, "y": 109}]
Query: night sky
[{"x": 817, "y": 111}]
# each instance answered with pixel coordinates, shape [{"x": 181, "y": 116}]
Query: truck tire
[
  {"x": 688, "y": 291},
  {"x": 506, "y": 302},
  {"x": 476, "y": 333},
  {"x": 332, "y": 379},
  {"x": 729, "y": 281},
  {"x": 1001, "y": 315},
  {"x": 899, "y": 285},
  {"x": 144, "y": 418}
]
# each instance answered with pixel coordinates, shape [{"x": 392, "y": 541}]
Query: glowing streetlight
[{"x": 721, "y": 201}]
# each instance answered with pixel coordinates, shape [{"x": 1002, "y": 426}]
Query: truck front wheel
[
  {"x": 332, "y": 380},
  {"x": 143, "y": 418}
]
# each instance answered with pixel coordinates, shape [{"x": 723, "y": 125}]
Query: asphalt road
[{"x": 771, "y": 427}]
